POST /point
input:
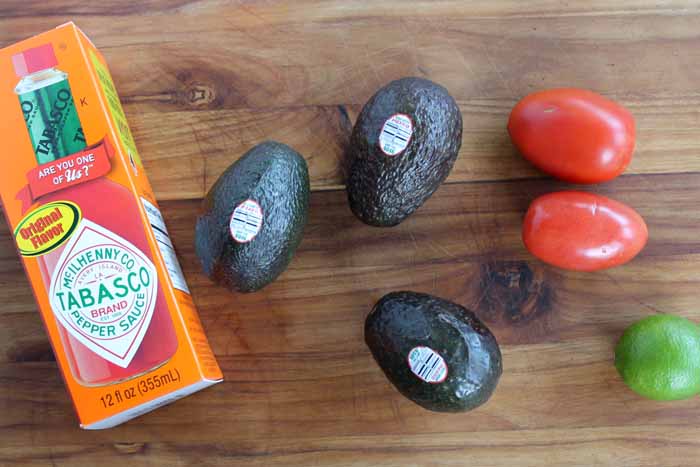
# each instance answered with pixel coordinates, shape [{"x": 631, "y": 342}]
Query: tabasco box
[{"x": 89, "y": 232}]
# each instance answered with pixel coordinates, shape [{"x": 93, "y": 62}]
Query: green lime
[{"x": 659, "y": 357}]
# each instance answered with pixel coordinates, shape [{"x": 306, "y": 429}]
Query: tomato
[
  {"x": 573, "y": 134},
  {"x": 583, "y": 231}
]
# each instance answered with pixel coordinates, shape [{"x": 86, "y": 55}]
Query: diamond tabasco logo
[{"x": 103, "y": 291}]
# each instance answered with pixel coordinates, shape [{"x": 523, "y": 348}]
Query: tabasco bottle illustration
[{"x": 103, "y": 285}]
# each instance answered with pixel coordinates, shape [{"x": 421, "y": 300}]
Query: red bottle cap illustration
[{"x": 35, "y": 59}]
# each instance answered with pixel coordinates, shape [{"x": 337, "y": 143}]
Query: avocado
[
  {"x": 403, "y": 146},
  {"x": 436, "y": 353},
  {"x": 253, "y": 218}
]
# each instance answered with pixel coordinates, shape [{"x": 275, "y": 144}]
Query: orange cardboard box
[{"x": 108, "y": 284}]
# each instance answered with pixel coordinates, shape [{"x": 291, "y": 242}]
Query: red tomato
[
  {"x": 573, "y": 134},
  {"x": 583, "y": 231}
]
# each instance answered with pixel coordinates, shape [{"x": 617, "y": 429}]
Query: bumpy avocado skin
[
  {"x": 383, "y": 190},
  {"x": 277, "y": 178},
  {"x": 401, "y": 321}
]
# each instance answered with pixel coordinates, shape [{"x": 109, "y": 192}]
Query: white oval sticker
[
  {"x": 427, "y": 364},
  {"x": 396, "y": 134},
  {"x": 246, "y": 221}
]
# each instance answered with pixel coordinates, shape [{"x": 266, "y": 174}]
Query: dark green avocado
[
  {"x": 253, "y": 218},
  {"x": 436, "y": 353},
  {"x": 403, "y": 146}
]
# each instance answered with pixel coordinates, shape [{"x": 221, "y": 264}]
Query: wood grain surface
[{"x": 203, "y": 81}]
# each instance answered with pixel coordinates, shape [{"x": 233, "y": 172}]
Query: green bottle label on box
[{"x": 52, "y": 122}]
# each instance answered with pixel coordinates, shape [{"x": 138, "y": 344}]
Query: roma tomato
[
  {"x": 583, "y": 231},
  {"x": 573, "y": 134}
]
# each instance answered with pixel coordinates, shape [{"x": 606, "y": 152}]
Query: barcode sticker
[
  {"x": 396, "y": 134},
  {"x": 246, "y": 221},
  {"x": 427, "y": 364}
]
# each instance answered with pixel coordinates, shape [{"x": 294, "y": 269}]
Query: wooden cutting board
[{"x": 203, "y": 81}]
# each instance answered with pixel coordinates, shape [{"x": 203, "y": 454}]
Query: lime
[{"x": 659, "y": 357}]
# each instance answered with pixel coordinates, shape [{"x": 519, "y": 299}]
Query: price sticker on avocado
[
  {"x": 246, "y": 221},
  {"x": 427, "y": 364},
  {"x": 396, "y": 134}
]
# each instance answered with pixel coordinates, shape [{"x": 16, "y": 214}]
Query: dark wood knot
[
  {"x": 196, "y": 90},
  {"x": 31, "y": 352},
  {"x": 510, "y": 291}
]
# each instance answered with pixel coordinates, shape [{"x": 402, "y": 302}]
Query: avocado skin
[
  {"x": 383, "y": 190},
  {"x": 277, "y": 178},
  {"x": 401, "y": 321}
]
